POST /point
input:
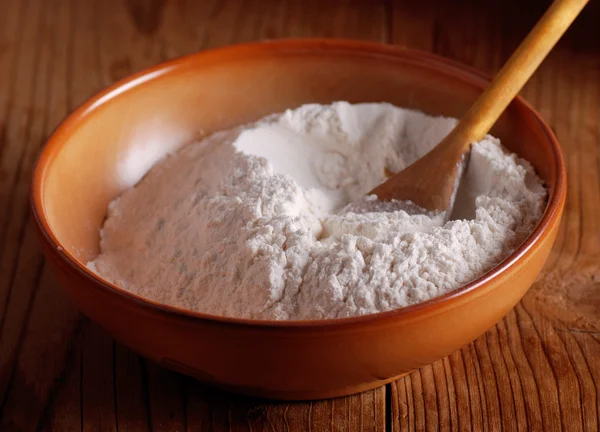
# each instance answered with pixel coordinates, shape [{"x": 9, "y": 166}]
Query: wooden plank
[
  {"x": 539, "y": 369},
  {"x": 52, "y": 57},
  {"x": 535, "y": 370},
  {"x": 64, "y": 410},
  {"x": 210, "y": 409},
  {"x": 36, "y": 320},
  {"x": 166, "y": 414}
]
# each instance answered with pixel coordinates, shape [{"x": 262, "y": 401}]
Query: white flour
[{"x": 216, "y": 229}]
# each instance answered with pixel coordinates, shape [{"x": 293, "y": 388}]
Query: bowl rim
[{"x": 310, "y": 46}]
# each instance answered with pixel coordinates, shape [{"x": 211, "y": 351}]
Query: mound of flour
[{"x": 269, "y": 221}]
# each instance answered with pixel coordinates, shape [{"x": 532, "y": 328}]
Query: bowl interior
[{"x": 109, "y": 143}]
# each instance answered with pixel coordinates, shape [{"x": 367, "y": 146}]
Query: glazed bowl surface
[{"x": 80, "y": 171}]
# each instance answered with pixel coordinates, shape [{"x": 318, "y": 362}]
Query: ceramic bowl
[{"x": 79, "y": 173}]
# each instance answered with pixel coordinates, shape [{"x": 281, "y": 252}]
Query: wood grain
[
  {"x": 538, "y": 369},
  {"x": 534, "y": 370}
]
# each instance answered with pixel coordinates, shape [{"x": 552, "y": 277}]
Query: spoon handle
[{"x": 518, "y": 69}]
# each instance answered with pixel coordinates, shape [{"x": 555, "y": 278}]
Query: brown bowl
[{"x": 77, "y": 176}]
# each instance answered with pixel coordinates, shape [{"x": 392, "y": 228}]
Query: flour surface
[{"x": 269, "y": 221}]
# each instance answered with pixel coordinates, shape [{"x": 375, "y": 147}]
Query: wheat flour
[{"x": 269, "y": 221}]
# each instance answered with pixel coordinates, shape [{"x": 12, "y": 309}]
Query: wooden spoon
[{"x": 430, "y": 182}]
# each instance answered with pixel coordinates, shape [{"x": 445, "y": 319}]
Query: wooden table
[{"x": 538, "y": 369}]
